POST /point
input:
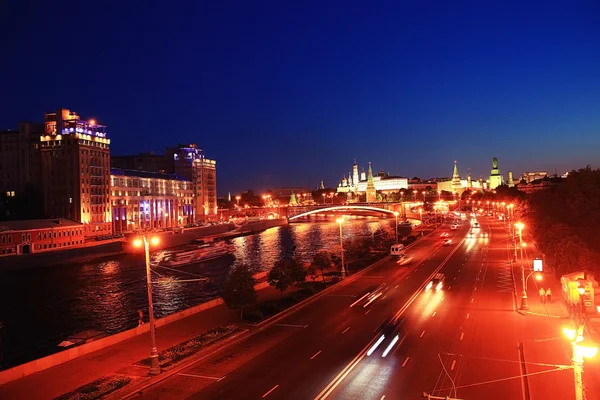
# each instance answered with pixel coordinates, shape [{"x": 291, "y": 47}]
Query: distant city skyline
[{"x": 289, "y": 94}]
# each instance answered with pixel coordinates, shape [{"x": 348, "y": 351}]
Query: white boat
[{"x": 205, "y": 252}]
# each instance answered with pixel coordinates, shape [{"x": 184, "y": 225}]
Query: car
[
  {"x": 437, "y": 283},
  {"x": 454, "y": 227},
  {"x": 444, "y": 234},
  {"x": 392, "y": 332},
  {"x": 447, "y": 242},
  {"x": 472, "y": 234}
]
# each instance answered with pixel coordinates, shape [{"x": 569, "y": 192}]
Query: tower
[
  {"x": 293, "y": 200},
  {"x": 321, "y": 186},
  {"x": 355, "y": 175},
  {"x": 510, "y": 181},
  {"x": 469, "y": 181},
  {"x": 370, "y": 190},
  {"x": 495, "y": 177},
  {"x": 456, "y": 185},
  {"x": 75, "y": 160},
  {"x": 363, "y": 176}
]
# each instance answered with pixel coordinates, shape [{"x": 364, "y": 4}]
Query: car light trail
[
  {"x": 387, "y": 350},
  {"x": 374, "y": 347},
  {"x": 372, "y": 299},
  {"x": 359, "y": 300}
]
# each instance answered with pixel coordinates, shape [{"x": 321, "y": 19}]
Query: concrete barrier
[{"x": 64, "y": 356}]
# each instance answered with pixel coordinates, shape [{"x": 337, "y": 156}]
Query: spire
[
  {"x": 371, "y": 190},
  {"x": 321, "y": 186},
  {"x": 455, "y": 173},
  {"x": 293, "y": 201}
]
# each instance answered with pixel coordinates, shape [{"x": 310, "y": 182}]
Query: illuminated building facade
[
  {"x": 75, "y": 171},
  {"x": 370, "y": 184},
  {"x": 188, "y": 161},
  {"x": 19, "y": 158},
  {"x": 39, "y": 235},
  {"x": 149, "y": 200},
  {"x": 459, "y": 185}
]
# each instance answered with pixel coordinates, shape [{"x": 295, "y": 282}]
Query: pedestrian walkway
[
  {"x": 549, "y": 306},
  {"x": 64, "y": 378}
]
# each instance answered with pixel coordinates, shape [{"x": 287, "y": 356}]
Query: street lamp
[
  {"x": 396, "y": 215},
  {"x": 340, "y": 221},
  {"x": 237, "y": 199},
  {"x": 524, "y": 305},
  {"x": 582, "y": 348},
  {"x": 143, "y": 241}
]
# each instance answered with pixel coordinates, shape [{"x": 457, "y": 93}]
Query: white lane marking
[
  {"x": 353, "y": 304},
  {"x": 433, "y": 315},
  {"x": 316, "y": 354},
  {"x": 468, "y": 316},
  {"x": 449, "y": 287},
  {"x": 382, "y": 397},
  {"x": 422, "y": 333},
  {"x": 405, "y": 361},
  {"x": 472, "y": 300},
  {"x": 384, "y": 297},
  {"x": 452, "y": 366},
  {"x": 395, "y": 287},
  {"x": 291, "y": 325},
  {"x": 372, "y": 299},
  {"x": 346, "y": 330},
  {"x": 202, "y": 376},
  {"x": 462, "y": 335},
  {"x": 269, "y": 392},
  {"x": 368, "y": 311},
  {"x": 407, "y": 277}
]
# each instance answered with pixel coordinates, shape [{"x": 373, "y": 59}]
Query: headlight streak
[
  {"x": 387, "y": 350},
  {"x": 374, "y": 347}
]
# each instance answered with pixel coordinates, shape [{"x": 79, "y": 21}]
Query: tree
[
  {"x": 286, "y": 272},
  {"x": 238, "y": 290},
  {"x": 322, "y": 262}
]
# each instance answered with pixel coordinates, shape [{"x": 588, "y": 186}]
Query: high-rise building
[
  {"x": 75, "y": 160},
  {"x": 188, "y": 161},
  {"x": 19, "y": 158}
]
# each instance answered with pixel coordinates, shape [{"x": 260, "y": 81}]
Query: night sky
[{"x": 285, "y": 93}]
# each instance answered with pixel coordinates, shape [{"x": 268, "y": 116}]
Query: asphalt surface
[{"x": 465, "y": 341}]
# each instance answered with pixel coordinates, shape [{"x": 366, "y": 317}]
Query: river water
[{"x": 43, "y": 306}]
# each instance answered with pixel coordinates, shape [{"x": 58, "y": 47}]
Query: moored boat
[{"x": 202, "y": 253}]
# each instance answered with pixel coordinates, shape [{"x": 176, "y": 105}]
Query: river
[{"x": 43, "y": 306}]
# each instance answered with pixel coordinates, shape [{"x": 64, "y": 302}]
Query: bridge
[{"x": 294, "y": 213}]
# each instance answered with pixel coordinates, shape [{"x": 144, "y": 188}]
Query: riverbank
[{"x": 96, "y": 251}]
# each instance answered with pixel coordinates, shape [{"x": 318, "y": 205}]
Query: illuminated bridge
[{"x": 294, "y": 213}]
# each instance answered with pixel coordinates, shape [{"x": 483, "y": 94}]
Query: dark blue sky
[{"x": 284, "y": 95}]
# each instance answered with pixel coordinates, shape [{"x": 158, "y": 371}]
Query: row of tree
[{"x": 565, "y": 220}]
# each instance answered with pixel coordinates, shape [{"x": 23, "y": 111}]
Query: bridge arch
[{"x": 338, "y": 208}]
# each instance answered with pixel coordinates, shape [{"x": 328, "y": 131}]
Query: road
[{"x": 463, "y": 341}]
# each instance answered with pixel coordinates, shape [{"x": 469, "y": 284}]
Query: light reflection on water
[{"x": 105, "y": 295}]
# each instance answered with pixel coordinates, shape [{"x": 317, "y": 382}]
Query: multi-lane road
[{"x": 463, "y": 341}]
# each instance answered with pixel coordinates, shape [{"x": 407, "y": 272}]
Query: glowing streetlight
[
  {"x": 340, "y": 221},
  {"x": 524, "y": 302},
  {"x": 237, "y": 199},
  {"x": 396, "y": 213},
  {"x": 582, "y": 348},
  {"x": 154, "y": 367}
]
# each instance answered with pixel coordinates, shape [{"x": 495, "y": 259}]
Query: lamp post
[
  {"x": 154, "y": 367},
  {"x": 237, "y": 200},
  {"x": 582, "y": 348},
  {"x": 396, "y": 215},
  {"x": 524, "y": 301},
  {"x": 340, "y": 221}
]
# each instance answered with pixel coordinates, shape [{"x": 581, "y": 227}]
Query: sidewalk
[
  {"x": 63, "y": 378},
  {"x": 555, "y": 308}
]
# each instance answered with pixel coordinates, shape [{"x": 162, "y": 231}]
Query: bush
[
  {"x": 270, "y": 308},
  {"x": 253, "y": 315}
]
